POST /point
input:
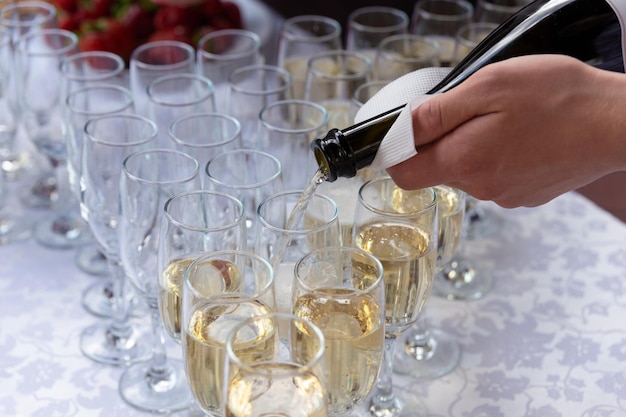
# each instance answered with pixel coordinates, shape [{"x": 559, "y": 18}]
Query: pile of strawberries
[{"x": 119, "y": 26}]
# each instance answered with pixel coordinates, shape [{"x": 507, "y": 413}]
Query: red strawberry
[
  {"x": 177, "y": 33},
  {"x": 233, "y": 14},
  {"x": 139, "y": 20},
  {"x": 69, "y": 6},
  {"x": 211, "y": 8},
  {"x": 170, "y": 16}
]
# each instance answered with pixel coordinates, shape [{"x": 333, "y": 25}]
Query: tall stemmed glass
[
  {"x": 283, "y": 243},
  {"x": 83, "y": 104},
  {"x": 427, "y": 352},
  {"x": 108, "y": 141},
  {"x": 80, "y": 71},
  {"x": 149, "y": 178},
  {"x": 18, "y": 19},
  {"x": 221, "y": 289},
  {"x": 153, "y": 60},
  {"x": 39, "y": 56},
  {"x": 13, "y": 227},
  {"x": 341, "y": 290},
  {"x": 399, "y": 228},
  {"x": 289, "y": 359},
  {"x": 400, "y": 54},
  {"x": 368, "y": 26}
]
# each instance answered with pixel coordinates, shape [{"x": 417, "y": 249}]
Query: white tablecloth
[{"x": 549, "y": 340}]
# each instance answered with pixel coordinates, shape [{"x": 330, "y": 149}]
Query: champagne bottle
[{"x": 588, "y": 30}]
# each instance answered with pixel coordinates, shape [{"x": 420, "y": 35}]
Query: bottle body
[{"x": 588, "y": 30}]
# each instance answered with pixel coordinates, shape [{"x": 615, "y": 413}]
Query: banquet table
[{"x": 548, "y": 340}]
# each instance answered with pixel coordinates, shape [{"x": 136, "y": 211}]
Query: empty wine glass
[
  {"x": 286, "y": 130},
  {"x": 248, "y": 175},
  {"x": 149, "y": 178},
  {"x": 441, "y": 20},
  {"x": 173, "y": 96},
  {"x": 289, "y": 360},
  {"x": 18, "y": 19},
  {"x": 427, "y": 352},
  {"x": 299, "y": 38},
  {"x": 341, "y": 291},
  {"x": 221, "y": 289},
  {"x": 398, "y": 227},
  {"x": 400, "y": 54},
  {"x": 153, "y": 60},
  {"x": 251, "y": 88},
  {"x": 368, "y": 26},
  {"x": 108, "y": 141},
  {"x": 283, "y": 243},
  {"x": 221, "y": 52},
  {"x": 470, "y": 35},
  {"x": 40, "y": 54},
  {"x": 497, "y": 11}
]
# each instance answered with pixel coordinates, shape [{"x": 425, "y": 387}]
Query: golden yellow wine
[
  {"x": 353, "y": 327},
  {"x": 451, "y": 210},
  {"x": 204, "y": 347},
  {"x": 408, "y": 256}
]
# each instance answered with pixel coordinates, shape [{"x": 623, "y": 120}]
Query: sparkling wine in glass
[
  {"x": 399, "y": 228},
  {"x": 341, "y": 290}
]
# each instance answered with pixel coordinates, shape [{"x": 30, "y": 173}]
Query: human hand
[{"x": 520, "y": 132}]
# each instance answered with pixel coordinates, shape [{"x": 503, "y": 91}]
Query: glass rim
[
  {"x": 276, "y": 317},
  {"x": 287, "y": 32},
  {"x": 256, "y": 42},
  {"x": 197, "y": 79},
  {"x": 212, "y": 115},
  {"x": 342, "y": 249},
  {"x": 297, "y": 102},
  {"x": 241, "y": 216},
  {"x": 413, "y": 38},
  {"x": 429, "y": 206},
  {"x": 279, "y": 71},
  {"x": 334, "y": 218},
  {"x": 68, "y": 61},
  {"x": 345, "y": 54},
  {"x": 465, "y": 6},
  {"x": 156, "y": 151},
  {"x": 403, "y": 19},
  {"x": 137, "y": 63},
  {"x": 42, "y": 5},
  {"x": 125, "y": 92},
  {"x": 24, "y": 39},
  {"x": 148, "y": 122},
  {"x": 234, "y": 297},
  {"x": 243, "y": 151}
]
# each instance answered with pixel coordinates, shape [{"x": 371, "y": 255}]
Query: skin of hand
[{"x": 520, "y": 132}]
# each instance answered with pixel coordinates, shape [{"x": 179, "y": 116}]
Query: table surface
[{"x": 548, "y": 340}]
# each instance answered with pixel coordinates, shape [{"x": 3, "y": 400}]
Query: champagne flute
[
  {"x": 398, "y": 227},
  {"x": 286, "y": 130},
  {"x": 221, "y": 52},
  {"x": 153, "y": 60},
  {"x": 368, "y": 26},
  {"x": 40, "y": 54},
  {"x": 429, "y": 353},
  {"x": 149, "y": 178},
  {"x": 18, "y": 19},
  {"x": 341, "y": 290},
  {"x": 400, "y": 54},
  {"x": 275, "y": 366},
  {"x": 108, "y": 141},
  {"x": 173, "y": 96},
  {"x": 220, "y": 290},
  {"x": 441, "y": 20},
  {"x": 251, "y": 88},
  {"x": 299, "y": 38},
  {"x": 195, "y": 222},
  {"x": 283, "y": 241},
  {"x": 82, "y": 70},
  {"x": 497, "y": 11},
  {"x": 248, "y": 175}
]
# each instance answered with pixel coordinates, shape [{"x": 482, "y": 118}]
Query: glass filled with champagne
[
  {"x": 341, "y": 290},
  {"x": 221, "y": 289},
  {"x": 275, "y": 366},
  {"x": 401, "y": 231}
]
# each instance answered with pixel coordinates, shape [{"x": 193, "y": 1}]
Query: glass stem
[
  {"x": 120, "y": 330},
  {"x": 420, "y": 344},
  {"x": 160, "y": 374},
  {"x": 384, "y": 401}
]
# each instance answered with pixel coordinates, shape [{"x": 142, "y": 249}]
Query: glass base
[
  {"x": 14, "y": 228},
  {"x": 100, "y": 344},
  {"x": 427, "y": 355},
  {"x": 91, "y": 260},
  {"x": 405, "y": 404},
  {"x": 460, "y": 280},
  {"x": 160, "y": 392},
  {"x": 97, "y": 299},
  {"x": 62, "y": 231}
]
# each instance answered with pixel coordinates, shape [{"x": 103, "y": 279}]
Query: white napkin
[{"x": 398, "y": 144}]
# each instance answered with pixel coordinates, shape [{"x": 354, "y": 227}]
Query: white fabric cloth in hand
[{"x": 398, "y": 144}]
